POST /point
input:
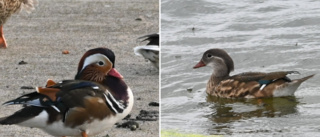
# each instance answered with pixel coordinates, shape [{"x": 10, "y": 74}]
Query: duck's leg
[
  {"x": 84, "y": 134},
  {"x": 3, "y": 43}
]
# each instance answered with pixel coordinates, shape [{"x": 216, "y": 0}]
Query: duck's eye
[
  {"x": 209, "y": 56},
  {"x": 101, "y": 63}
]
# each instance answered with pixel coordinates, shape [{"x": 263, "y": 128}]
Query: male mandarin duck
[
  {"x": 89, "y": 105},
  {"x": 248, "y": 84},
  {"x": 8, "y": 7},
  {"x": 151, "y": 50},
  {"x": 93, "y": 66}
]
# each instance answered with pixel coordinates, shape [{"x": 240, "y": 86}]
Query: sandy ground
[{"x": 78, "y": 25}]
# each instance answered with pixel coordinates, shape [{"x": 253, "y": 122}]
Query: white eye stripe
[{"x": 95, "y": 58}]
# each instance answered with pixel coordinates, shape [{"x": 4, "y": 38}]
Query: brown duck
[
  {"x": 8, "y": 7},
  {"x": 248, "y": 84}
]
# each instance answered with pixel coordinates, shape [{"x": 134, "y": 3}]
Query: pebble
[
  {"x": 22, "y": 62},
  {"x": 156, "y": 104}
]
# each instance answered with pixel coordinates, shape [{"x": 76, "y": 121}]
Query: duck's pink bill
[
  {"x": 200, "y": 64},
  {"x": 115, "y": 73}
]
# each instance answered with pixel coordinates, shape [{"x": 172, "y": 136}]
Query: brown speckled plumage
[
  {"x": 245, "y": 85},
  {"x": 8, "y": 7}
]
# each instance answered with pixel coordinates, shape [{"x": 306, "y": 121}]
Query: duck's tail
[
  {"x": 305, "y": 78},
  {"x": 289, "y": 88},
  {"x": 28, "y": 5}
]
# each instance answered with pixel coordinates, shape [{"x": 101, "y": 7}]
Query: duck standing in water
[
  {"x": 89, "y": 105},
  {"x": 248, "y": 84},
  {"x": 8, "y": 7}
]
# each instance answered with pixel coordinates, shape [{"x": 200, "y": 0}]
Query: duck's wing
[
  {"x": 263, "y": 78},
  {"x": 74, "y": 100},
  {"x": 144, "y": 50},
  {"x": 152, "y": 38},
  {"x": 253, "y": 84},
  {"x": 150, "y": 53}
]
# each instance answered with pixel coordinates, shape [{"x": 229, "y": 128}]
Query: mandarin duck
[
  {"x": 151, "y": 50},
  {"x": 8, "y": 7},
  {"x": 248, "y": 84},
  {"x": 89, "y": 105}
]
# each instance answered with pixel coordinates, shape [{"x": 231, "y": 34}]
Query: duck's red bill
[
  {"x": 115, "y": 73},
  {"x": 200, "y": 64}
]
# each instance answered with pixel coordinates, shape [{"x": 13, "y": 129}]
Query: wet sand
[{"x": 40, "y": 37}]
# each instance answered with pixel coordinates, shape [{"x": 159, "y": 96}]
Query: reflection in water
[{"x": 226, "y": 111}]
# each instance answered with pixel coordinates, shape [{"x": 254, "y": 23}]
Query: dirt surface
[{"x": 39, "y": 39}]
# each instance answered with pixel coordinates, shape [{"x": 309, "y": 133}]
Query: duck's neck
[
  {"x": 219, "y": 74},
  {"x": 215, "y": 79},
  {"x": 220, "y": 71}
]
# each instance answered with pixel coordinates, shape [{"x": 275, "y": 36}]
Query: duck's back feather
[{"x": 255, "y": 85}]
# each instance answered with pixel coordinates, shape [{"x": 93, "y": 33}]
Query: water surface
[{"x": 270, "y": 35}]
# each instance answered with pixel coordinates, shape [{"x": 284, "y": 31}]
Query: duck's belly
[
  {"x": 93, "y": 128},
  {"x": 59, "y": 129}
]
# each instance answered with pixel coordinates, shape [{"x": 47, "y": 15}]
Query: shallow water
[{"x": 265, "y": 36}]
